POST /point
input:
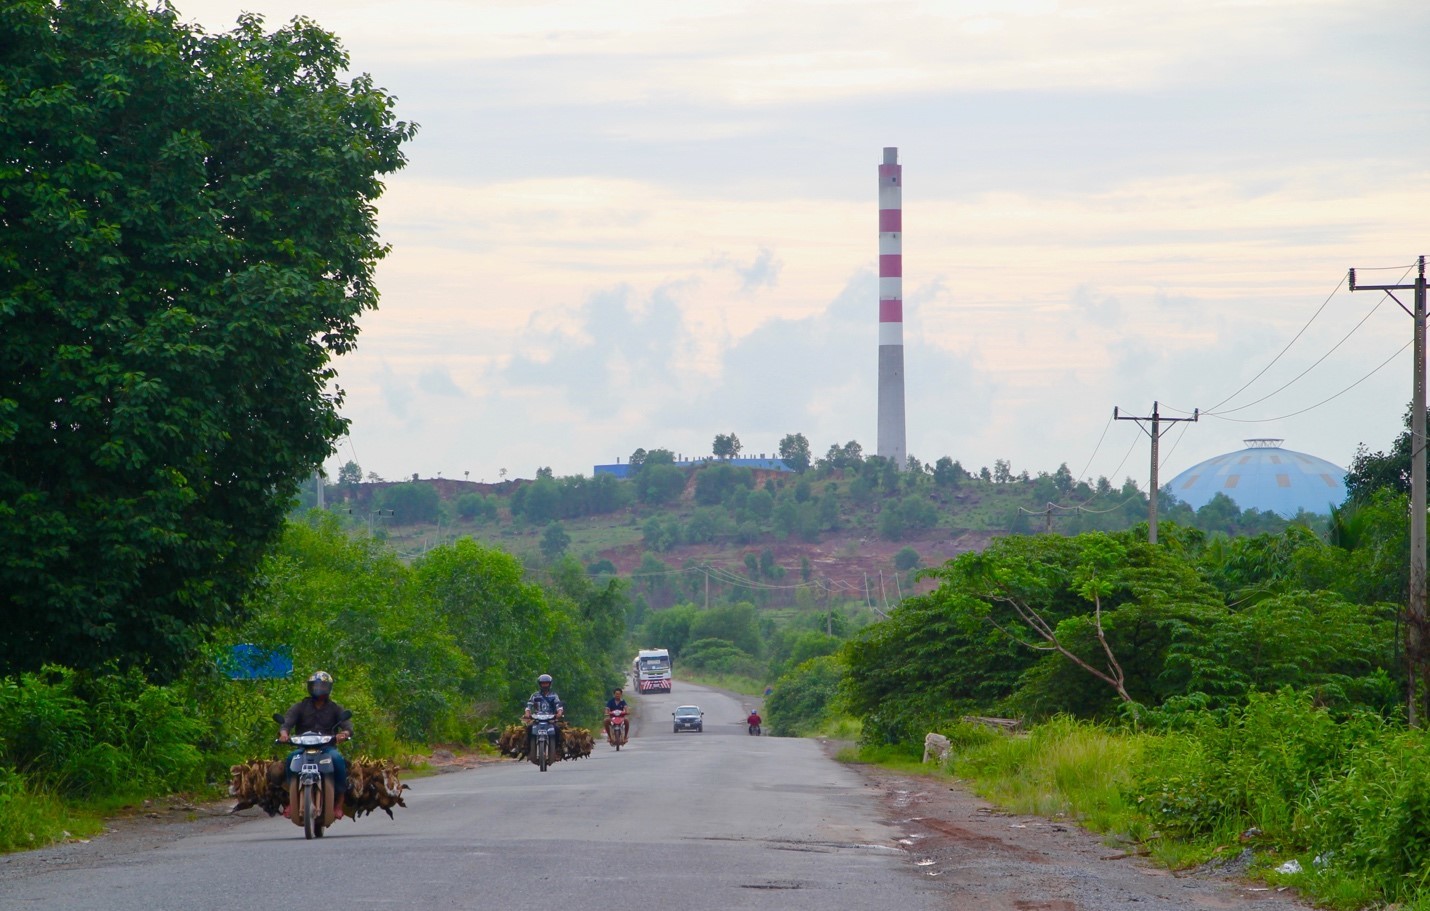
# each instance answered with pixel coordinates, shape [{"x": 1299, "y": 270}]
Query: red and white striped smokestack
[{"x": 891, "y": 309}]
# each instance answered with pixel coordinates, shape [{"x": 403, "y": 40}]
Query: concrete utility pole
[
  {"x": 1416, "y": 631},
  {"x": 1156, "y": 434}
]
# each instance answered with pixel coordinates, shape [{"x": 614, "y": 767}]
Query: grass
[
  {"x": 1061, "y": 769},
  {"x": 32, "y": 817}
]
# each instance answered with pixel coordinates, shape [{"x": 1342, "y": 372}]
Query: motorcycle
[
  {"x": 755, "y": 728},
  {"x": 543, "y": 738},
  {"x": 619, "y": 729},
  {"x": 311, "y": 798}
]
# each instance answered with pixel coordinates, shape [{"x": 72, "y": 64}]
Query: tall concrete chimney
[{"x": 892, "y": 443}]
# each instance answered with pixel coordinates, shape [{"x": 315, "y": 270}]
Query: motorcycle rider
[
  {"x": 320, "y": 713},
  {"x": 754, "y": 720},
  {"x": 616, "y": 703},
  {"x": 544, "y": 698}
]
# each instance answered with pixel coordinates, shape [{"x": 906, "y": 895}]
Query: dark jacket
[
  {"x": 551, "y": 699},
  {"x": 306, "y": 716},
  {"x": 614, "y": 704}
]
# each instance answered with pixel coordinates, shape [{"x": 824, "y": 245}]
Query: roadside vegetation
[{"x": 1208, "y": 700}]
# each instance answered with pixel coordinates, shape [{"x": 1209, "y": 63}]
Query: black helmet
[
  {"x": 543, "y": 681},
  {"x": 320, "y": 684}
]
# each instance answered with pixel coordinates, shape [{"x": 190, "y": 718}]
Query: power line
[
  {"x": 1223, "y": 417},
  {"x": 1313, "y": 366},
  {"x": 1284, "y": 350}
]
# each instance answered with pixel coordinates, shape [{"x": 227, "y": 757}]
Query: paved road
[{"x": 687, "y": 822}]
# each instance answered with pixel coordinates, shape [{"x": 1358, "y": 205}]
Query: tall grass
[
  {"x": 1062, "y": 768},
  {"x": 1347, "y": 796}
]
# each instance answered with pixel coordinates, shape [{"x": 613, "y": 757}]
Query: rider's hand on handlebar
[
  {"x": 282, "y": 736},
  {"x": 343, "y": 735}
]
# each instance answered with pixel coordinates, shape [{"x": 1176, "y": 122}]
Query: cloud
[
  {"x": 437, "y": 381},
  {"x": 763, "y": 272}
]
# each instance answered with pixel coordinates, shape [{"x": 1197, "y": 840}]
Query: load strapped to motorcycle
[
  {"x": 301, "y": 786},
  {"x": 373, "y": 784},
  {"x": 575, "y": 743}
]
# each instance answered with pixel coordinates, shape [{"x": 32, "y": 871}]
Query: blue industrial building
[
  {"x": 1266, "y": 477},
  {"x": 623, "y": 470}
]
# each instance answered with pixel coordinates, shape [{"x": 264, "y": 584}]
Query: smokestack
[{"x": 891, "y": 309}]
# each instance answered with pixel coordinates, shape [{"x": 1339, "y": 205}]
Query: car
[{"x": 688, "y": 718}]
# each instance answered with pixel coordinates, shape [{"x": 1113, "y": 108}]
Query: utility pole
[
  {"x": 1156, "y": 434},
  {"x": 1416, "y": 632}
]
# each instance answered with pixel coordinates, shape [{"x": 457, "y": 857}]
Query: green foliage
[
  {"x": 726, "y": 446},
  {"x": 1062, "y": 768},
  {"x": 476, "y": 507},
  {"x": 106, "y": 733},
  {"x": 1317, "y": 642},
  {"x": 734, "y": 623},
  {"x": 410, "y": 503},
  {"x": 719, "y": 656},
  {"x": 1381, "y": 471},
  {"x": 189, "y": 239},
  {"x": 554, "y": 541},
  {"x": 658, "y": 483},
  {"x": 714, "y": 483},
  {"x": 804, "y": 698},
  {"x": 907, "y": 558},
  {"x": 794, "y": 451},
  {"x": 660, "y": 534},
  {"x": 669, "y": 628}
]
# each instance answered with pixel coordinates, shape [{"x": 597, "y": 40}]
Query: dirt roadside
[{"x": 995, "y": 861}]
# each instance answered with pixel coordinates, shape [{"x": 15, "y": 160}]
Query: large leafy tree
[{"x": 187, "y": 237}]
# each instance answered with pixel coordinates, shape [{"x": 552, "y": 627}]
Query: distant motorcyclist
[
  {"x": 616, "y": 703},
  {"x": 754, "y": 720},
  {"x": 544, "y": 700},
  {"x": 322, "y": 715}
]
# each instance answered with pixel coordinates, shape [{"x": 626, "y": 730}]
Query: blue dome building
[{"x": 1266, "y": 477}]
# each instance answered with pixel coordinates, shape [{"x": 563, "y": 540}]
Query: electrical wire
[
  {"x": 1356, "y": 328},
  {"x": 1263, "y": 370},
  {"x": 1293, "y": 414}
]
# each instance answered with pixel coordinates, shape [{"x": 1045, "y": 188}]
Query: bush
[{"x": 804, "y": 699}]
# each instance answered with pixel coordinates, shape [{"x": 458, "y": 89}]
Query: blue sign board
[{"x": 253, "y": 662}]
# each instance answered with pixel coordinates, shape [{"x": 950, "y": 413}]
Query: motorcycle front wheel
[
  {"x": 542, "y": 754},
  {"x": 311, "y": 827}
]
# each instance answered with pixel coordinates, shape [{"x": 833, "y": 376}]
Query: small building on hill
[{"x": 1264, "y": 476}]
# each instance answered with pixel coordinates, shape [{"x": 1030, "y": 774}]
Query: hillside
[{"x": 841, "y": 533}]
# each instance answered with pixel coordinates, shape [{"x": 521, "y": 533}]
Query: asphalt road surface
[{"x": 686, "y": 822}]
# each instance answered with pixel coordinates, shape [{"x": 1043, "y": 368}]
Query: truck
[{"x": 650, "y": 672}]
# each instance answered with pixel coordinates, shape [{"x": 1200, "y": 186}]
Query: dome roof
[{"x": 1266, "y": 477}]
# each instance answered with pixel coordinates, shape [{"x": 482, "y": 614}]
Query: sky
[{"x": 640, "y": 224}]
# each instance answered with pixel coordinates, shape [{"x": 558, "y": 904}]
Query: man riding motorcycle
[
  {"x": 319, "y": 713},
  {"x": 616, "y": 703},
  {"x": 753, "y": 721},
  {"x": 544, "y": 699}
]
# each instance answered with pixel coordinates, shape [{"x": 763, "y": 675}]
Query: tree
[
  {"x": 1370, "y": 472},
  {"x": 554, "y": 541},
  {"x": 410, "y": 503},
  {"x": 188, "y": 239},
  {"x": 350, "y": 475},
  {"x": 794, "y": 451},
  {"x": 726, "y": 446}
]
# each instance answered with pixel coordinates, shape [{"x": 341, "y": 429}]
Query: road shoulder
[{"x": 1007, "y": 862}]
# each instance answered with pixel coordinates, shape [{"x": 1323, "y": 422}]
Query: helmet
[
  {"x": 543, "y": 680},
  {"x": 320, "y": 684}
]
